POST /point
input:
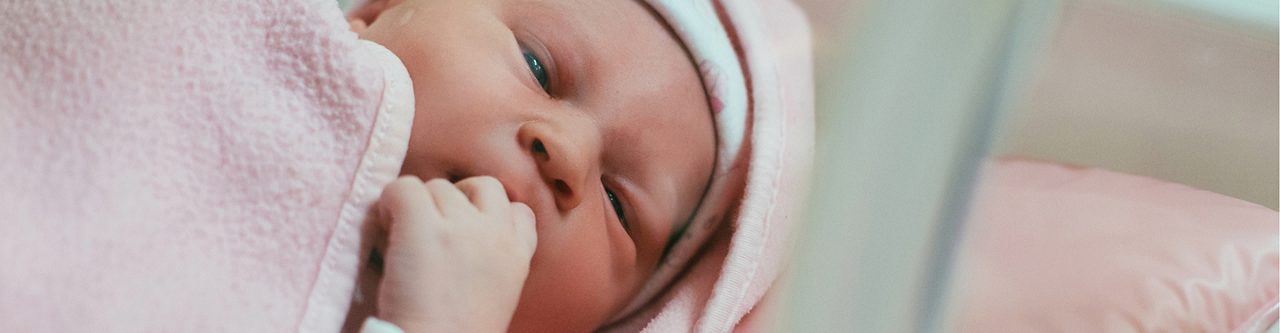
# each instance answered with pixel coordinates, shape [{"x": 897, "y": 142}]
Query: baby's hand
[{"x": 456, "y": 257}]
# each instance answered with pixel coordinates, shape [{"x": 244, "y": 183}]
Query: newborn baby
[
  {"x": 589, "y": 115},
  {"x": 567, "y": 165}
]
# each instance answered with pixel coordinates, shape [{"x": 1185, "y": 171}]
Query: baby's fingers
[
  {"x": 449, "y": 200},
  {"x": 525, "y": 225},
  {"x": 485, "y": 192},
  {"x": 404, "y": 204}
]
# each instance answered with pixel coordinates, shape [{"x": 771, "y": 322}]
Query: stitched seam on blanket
[
  {"x": 357, "y": 193},
  {"x": 731, "y": 319},
  {"x": 332, "y": 246}
]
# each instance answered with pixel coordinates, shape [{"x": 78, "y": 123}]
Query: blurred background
[
  {"x": 913, "y": 98},
  {"x": 1181, "y": 90}
]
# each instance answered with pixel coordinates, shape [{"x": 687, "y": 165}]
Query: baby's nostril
[
  {"x": 563, "y": 187},
  {"x": 539, "y": 149}
]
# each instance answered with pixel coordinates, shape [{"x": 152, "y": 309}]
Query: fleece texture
[{"x": 185, "y": 166}]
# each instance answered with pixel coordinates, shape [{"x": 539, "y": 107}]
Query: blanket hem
[{"x": 384, "y": 153}]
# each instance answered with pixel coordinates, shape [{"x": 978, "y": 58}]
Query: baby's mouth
[{"x": 455, "y": 176}]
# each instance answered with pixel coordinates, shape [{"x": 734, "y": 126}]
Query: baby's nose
[{"x": 566, "y": 155}]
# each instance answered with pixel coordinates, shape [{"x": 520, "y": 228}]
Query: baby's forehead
[
  {"x": 594, "y": 17},
  {"x": 620, "y": 49}
]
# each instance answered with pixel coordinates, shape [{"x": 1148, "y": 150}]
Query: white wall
[
  {"x": 1161, "y": 92},
  {"x": 1180, "y": 90}
]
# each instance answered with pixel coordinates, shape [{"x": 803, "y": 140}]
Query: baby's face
[{"x": 590, "y": 112}]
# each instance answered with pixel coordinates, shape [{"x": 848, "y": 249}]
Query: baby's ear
[{"x": 364, "y": 14}]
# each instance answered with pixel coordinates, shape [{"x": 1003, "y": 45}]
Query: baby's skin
[
  {"x": 589, "y": 115},
  {"x": 436, "y": 278}
]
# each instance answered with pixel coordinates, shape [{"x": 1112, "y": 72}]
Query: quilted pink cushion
[{"x": 1062, "y": 249}]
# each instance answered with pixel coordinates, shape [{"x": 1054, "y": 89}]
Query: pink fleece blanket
[{"x": 183, "y": 166}]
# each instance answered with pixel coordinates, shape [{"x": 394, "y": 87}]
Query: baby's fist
[{"x": 456, "y": 257}]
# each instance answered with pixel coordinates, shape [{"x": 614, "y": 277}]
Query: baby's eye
[
  {"x": 536, "y": 67},
  {"x": 617, "y": 208}
]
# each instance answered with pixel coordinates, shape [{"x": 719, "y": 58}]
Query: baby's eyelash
[{"x": 617, "y": 208}]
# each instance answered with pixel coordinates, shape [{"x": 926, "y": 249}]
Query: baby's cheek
[
  {"x": 577, "y": 253},
  {"x": 573, "y": 280}
]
